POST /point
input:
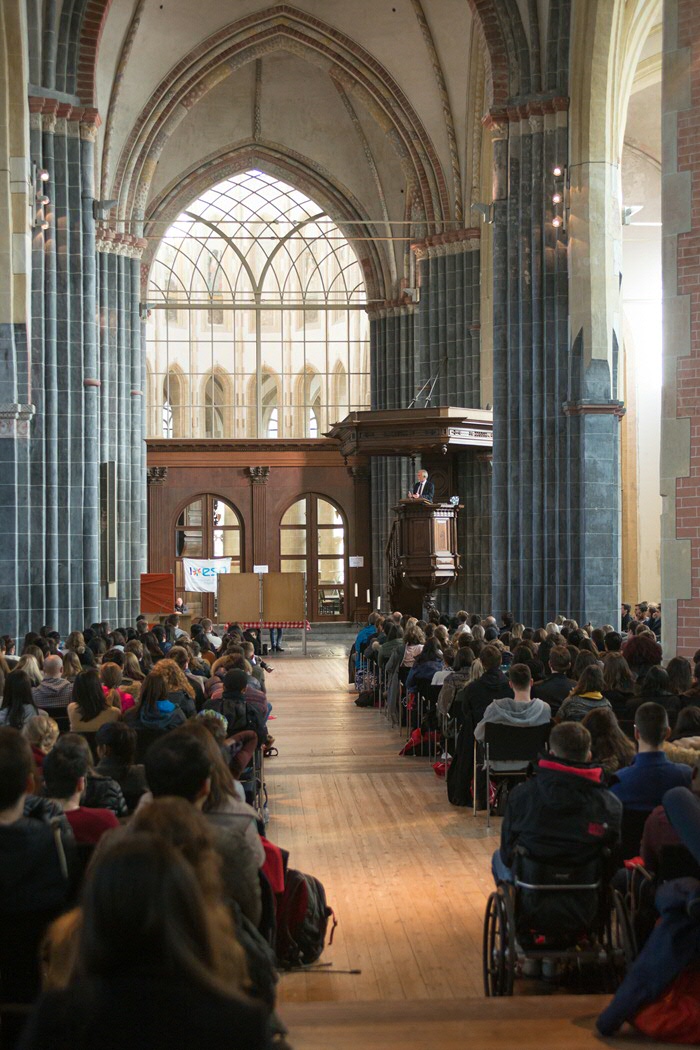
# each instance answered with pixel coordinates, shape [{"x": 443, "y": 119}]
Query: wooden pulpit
[{"x": 422, "y": 549}]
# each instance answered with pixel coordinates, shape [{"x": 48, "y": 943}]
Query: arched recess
[
  {"x": 281, "y": 28},
  {"x": 205, "y": 526},
  {"x": 217, "y": 405},
  {"x": 175, "y": 402},
  {"x": 313, "y": 539},
  {"x": 309, "y": 404},
  {"x": 302, "y": 173}
]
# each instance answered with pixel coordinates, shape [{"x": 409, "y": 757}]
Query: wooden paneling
[{"x": 226, "y": 471}]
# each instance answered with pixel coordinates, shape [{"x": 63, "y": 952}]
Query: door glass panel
[
  {"x": 331, "y": 541},
  {"x": 227, "y": 543},
  {"x": 192, "y": 514},
  {"x": 188, "y": 544},
  {"x": 296, "y": 515},
  {"x": 293, "y": 565},
  {"x": 331, "y": 571},
  {"x": 224, "y": 515},
  {"x": 293, "y": 541},
  {"x": 327, "y": 514},
  {"x": 330, "y": 600}
]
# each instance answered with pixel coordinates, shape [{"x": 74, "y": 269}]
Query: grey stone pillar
[
  {"x": 448, "y": 317},
  {"x": 89, "y": 379},
  {"x": 555, "y": 467}
]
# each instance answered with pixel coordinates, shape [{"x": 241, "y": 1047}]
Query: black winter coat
[{"x": 563, "y": 813}]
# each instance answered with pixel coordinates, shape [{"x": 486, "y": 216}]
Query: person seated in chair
[
  {"x": 521, "y": 710},
  {"x": 557, "y": 685},
  {"x": 563, "y": 814},
  {"x": 643, "y": 785}
]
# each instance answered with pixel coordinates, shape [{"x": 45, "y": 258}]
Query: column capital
[
  {"x": 584, "y": 407},
  {"x": 359, "y": 473},
  {"x": 156, "y": 475},
  {"x": 258, "y": 475}
]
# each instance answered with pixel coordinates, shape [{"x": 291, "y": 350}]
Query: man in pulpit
[{"x": 423, "y": 488}]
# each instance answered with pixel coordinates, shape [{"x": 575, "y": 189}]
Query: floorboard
[{"x": 407, "y": 875}]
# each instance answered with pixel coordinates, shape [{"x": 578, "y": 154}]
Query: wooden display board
[
  {"x": 157, "y": 592},
  {"x": 239, "y": 596},
  {"x": 283, "y": 596}
]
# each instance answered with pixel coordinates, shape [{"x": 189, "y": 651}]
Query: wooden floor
[{"x": 407, "y": 875}]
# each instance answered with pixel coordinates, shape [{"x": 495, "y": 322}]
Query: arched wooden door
[
  {"x": 208, "y": 527},
  {"x": 312, "y": 540}
]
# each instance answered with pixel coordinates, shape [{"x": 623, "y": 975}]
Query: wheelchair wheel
[
  {"x": 621, "y": 947},
  {"x": 499, "y": 944}
]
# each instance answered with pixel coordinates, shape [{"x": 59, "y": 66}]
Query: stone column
[
  {"x": 680, "y": 405},
  {"x": 555, "y": 464},
  {"x": 90, "y": 532},
  {"x": 448, "y": 317},
  {"x": 473, "y": 588},
  {"x": 258, "y": 493}
]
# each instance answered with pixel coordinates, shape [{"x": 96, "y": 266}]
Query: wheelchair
[{"x": 570, "y": 916}]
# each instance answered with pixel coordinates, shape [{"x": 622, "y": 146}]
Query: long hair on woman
[
  {"x": 143, "y": 907},
  {"x": 88, "y": 694}
]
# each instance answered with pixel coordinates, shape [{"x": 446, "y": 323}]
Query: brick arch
[
  {"x": 80, "y": 33},
  {"x": 280, "y": 28},
  {"x": 337, "y": 202},
  {"x": 501, "y": 59}
]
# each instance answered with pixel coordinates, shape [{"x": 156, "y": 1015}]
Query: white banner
[{"x": 200, "y": 573}]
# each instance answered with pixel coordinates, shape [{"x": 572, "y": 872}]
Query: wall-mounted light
[
  {"x": 39, "y": 200},
  {"x": 560, "y": 196}
]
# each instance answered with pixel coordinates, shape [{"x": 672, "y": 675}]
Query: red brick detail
[
  {"x": 93, "y": 22},
  {"x": 688, "y": 368}
]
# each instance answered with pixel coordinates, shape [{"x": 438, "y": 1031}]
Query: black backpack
[{"x": 302, "y": 920}]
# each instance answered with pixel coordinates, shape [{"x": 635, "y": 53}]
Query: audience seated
[
  {"x": 55, "y": 690},
  {"x": 18, "y": 700},
  {"x": 155, "y": 712},
  {"x": 65, "y": 777},
  {"x": 556, "y": 686},
  {"x": 610, "y": 748},
  {"x": 642, "y": 785},
  {"x": 90, "y": 708},
  {"x": 179, "y": 764},
  {"x": 149, "y": 973},
  {"x": 116, "y": 751},
  {"x": 519, "y": 710},
  {"x": 587, "y": 695},
  {"x": 563, "y": 814}
]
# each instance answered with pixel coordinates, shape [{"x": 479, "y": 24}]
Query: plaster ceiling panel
[
  {"x": 224, "y": 116},
  {"x": 387, "y": 29},
  {"x": 118, "y": 20},
  {"x": 300, "y": 110}
]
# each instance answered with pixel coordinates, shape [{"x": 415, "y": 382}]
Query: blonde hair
[
  {"x": 41, "y": 731},
  {"x": 30, "y": 665}
]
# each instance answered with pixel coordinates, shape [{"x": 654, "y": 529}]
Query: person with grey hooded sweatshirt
[{"x": 520, "y": 710}]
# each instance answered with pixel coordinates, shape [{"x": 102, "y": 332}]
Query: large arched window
[
  {"x": 312, "y": 540},
  {"x": 208, "y": 527},
  {"x": 254, "y": 282}
]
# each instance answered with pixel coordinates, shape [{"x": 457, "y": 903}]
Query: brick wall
[{"x": 688, "y": 367}]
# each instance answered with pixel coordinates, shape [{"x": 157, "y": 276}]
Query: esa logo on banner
[{"x": 201, "y": 573}]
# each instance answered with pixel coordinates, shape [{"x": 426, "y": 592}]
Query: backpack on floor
[{"x": 302, "y": 920}]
